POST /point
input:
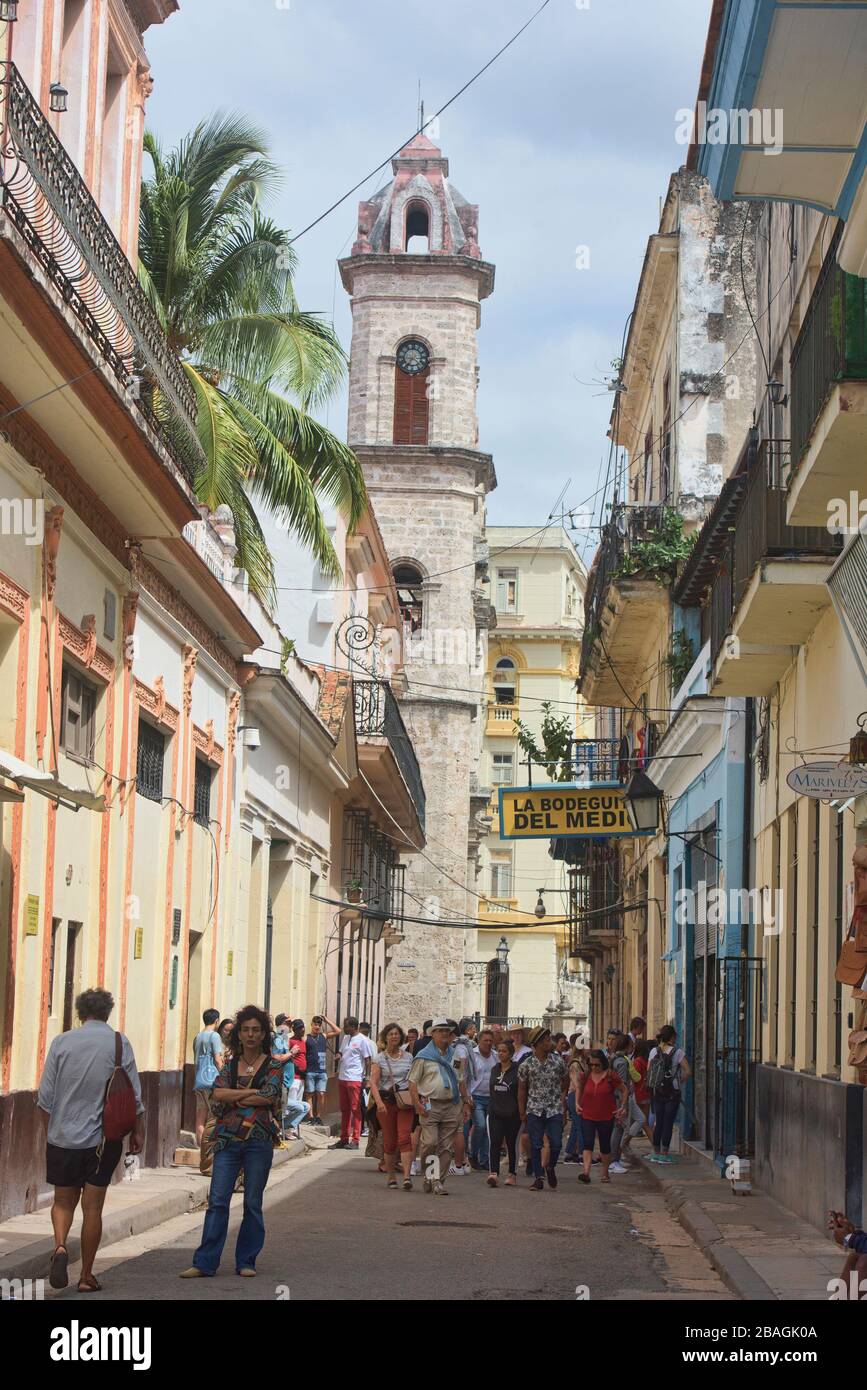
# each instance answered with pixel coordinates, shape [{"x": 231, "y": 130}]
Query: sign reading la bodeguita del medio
[
  {"x": 828, "y": 779},
  {"x": 563, "y": 810}
]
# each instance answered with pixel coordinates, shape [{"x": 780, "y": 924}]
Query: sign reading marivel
[
  {"x": 562, "y": 809},
  {"x": 825, "y": 780}
]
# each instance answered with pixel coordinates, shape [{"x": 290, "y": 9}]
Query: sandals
[
  {"x": 58, "y": 1276},
  {"x": 247, "y": 1273},
  {"x": 406, "y": 1184},
  {"x": 89, "y": 1285},
  {"x": 392, "y": 1182},
  {"x": 511, "y": 1180},
  {"x": 584, "y": 1177},
  {"x": 492, "y": 1180}
]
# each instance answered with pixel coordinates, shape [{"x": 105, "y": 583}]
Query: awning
[
  {"x": 780, "y": 114},
  {"x": 47, "y": 784}
]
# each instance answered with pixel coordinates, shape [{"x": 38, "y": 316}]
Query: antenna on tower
[{"x": 420, "y": 109}]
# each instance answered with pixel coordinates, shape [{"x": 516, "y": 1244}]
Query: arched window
[
  {"x": 417, "y": 228},
  {"x": 411, "y": 392},
  {"x": 408, "y": 580},
  {"x": 505, "y": 681}
]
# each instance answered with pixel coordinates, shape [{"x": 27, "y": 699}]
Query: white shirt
[
  {"x": 521, "y": 1052},
  {"x": 481, "y": 1085},
  {"x": 353, "y": 1053}
]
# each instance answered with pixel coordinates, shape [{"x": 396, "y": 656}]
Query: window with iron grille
[
  {"x": 77, "y": 715},
  {"x": 202, "y": 793},
  {"x": 149, "y": 761}
]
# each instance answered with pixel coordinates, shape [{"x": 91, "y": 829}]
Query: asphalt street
[{"x": 334, "y": 1233}]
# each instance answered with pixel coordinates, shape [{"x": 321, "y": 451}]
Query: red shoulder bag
[{"x": 119, "y": 1106}]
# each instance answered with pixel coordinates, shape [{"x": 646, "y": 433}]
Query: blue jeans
[
  {"x": 479, "y": 1137},
  {"x": 575, "y": 1142},
  {"x": 537, "y": 1128},
  {"x": 294, "y": 1112},
  {"x": 254, "y": 1156}
]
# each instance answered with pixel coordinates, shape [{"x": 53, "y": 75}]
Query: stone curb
[
  {"x": 736, "y": 1273},
  {"x": 32, "y": 1259}
]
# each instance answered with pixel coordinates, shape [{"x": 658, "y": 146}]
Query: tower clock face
[{"x": 412, "y": 357}]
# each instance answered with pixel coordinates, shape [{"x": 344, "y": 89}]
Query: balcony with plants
[{"x": 627, "y": 598}]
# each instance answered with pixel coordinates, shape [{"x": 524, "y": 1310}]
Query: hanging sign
[
  {"x": 826, "y": 780},
  {"x": 563, "y": 810}
]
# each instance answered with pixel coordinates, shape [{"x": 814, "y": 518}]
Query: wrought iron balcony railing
[
  {"x": 371, "y": 861},
  {"x": 377, "y": 714},
  {"x": 46, "y": 199},
  {"x": 595, "y": 896},
  {"x": 761, "y": 533},
  {"x": 831, "y": 346},
  {"x": 627, "y": 524}
]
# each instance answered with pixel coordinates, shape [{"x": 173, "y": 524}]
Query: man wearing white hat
[{"x": 439, "y": 1093}]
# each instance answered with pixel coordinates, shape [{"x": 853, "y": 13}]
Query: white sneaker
[
  {"x": 465, "y": 1170},
  {"x": 454, "y": 1171},
  {"x": 617, "y": 1168},
  {"x": 415, "y": 1170}
]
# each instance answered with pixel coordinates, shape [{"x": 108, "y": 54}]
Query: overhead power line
[{"x": 355, "y": 187}]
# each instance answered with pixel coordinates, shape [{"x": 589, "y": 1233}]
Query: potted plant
[{"x": 354, "y": 890}]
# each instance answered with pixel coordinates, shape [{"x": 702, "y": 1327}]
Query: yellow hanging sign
[{"x": 561, "y": 810}]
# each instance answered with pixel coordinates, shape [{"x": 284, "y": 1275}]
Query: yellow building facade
[{"x": 537, "y": 590}]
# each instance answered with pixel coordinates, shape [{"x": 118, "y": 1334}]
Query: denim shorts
[{"x": 316, "y": 1081}]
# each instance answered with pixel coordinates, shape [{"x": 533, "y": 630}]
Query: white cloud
[{"x": 568, "y": 140}]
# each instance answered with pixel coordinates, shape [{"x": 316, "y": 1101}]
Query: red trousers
[
  {"x": 396, "y": 1126},
  {"x": 350, "y": 1110}
]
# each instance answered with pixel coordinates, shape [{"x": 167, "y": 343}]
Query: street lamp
[
  {"x": 8, "y": 11},
  {"x": 502, "y": 953},
  {"x": 57, "y": 98},
  {"x": 643, "y": 799},
  {"x": 777, "y": 392},
  {"x": 252, "y": 738},
  {"x": 539, "y": 909}
]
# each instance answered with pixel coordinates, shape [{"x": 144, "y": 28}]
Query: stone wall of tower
[
  {"x": 429, "y": 511},
  {"x": 429, "y": 503},
  {"x": 420, "y": 297}
]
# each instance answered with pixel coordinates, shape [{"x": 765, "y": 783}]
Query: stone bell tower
[{"x": 417, "y": 279}]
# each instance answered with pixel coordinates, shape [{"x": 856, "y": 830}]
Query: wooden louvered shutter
[{"x": 411, "y": 407}]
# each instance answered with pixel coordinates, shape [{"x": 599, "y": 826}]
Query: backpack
[
  {"x": 660, "y": 1076},
  {"x": 119, "y": 1105}
]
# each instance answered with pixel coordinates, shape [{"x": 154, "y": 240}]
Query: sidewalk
[
  {"x": 27, "y": 1243},
  {"x": 760, "y": 1249}
]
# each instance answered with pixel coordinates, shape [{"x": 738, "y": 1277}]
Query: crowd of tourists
[
  {"x": 455, "y": 1097},
  {"x": 440, "y": 1102}
]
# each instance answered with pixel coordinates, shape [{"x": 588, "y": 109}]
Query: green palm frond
[{"x": 218, "y": 273}]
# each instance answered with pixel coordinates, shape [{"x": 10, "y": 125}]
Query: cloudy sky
[{"x": 566, "y": 143}]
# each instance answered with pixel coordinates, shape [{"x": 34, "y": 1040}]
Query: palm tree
[{"x": 218, "y": 273}]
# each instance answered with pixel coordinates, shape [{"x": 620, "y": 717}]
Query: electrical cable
[
  {"x": 420, "y": 131},
  {"x": 62, "y": 387}
]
